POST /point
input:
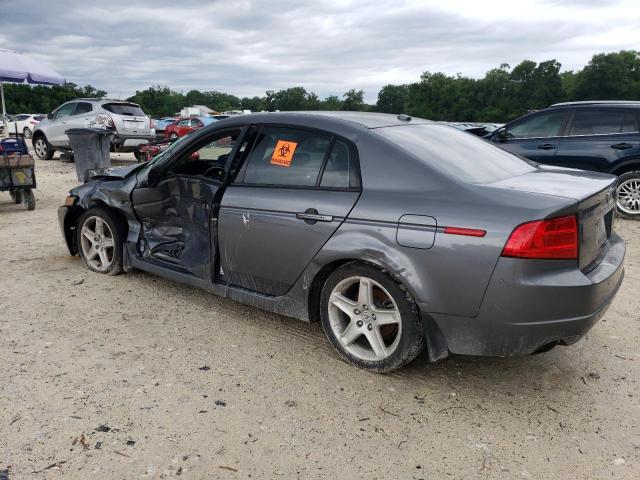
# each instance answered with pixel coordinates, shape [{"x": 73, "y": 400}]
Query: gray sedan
[{"x": 398, "y": 234}]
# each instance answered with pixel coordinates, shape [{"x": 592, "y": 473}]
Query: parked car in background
[
  {"x": 396, "y": 233},
  {"x": 24, "y": 124},
  {"x": 601, "y": 136},
  {"x": 475, "y": 128},
  {"x": 186, "y": 125},
  {"x": 163, "y": 123},
  {"x": 130, "y": 126}
]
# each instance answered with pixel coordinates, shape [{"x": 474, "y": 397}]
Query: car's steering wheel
[{"x": 217, "y": 175}]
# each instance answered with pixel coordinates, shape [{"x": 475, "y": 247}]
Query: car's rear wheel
[
  {"x": 27, "y": 132},
  {"x": 628, "y": 195},
  {"x": 100, "y": 236},
  {"x": 173, "y": 136},
  {"x": 42, "y": 148},
  {"x": 370, "y": 319}
]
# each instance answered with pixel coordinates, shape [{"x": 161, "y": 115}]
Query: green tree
[
  {"x": 159, "y": 101},
  {"x": 353, "y": 100},
  {"x": 331, "y": 103},
  {"x": 610, "y": 76},
  {"x": 255, "y": 104},
  {"x": 392, "y": 99},
  {"x": 291, "y": 99}
]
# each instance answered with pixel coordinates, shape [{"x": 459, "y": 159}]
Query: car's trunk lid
[
  {"x": 594, "y": 194},
  {"x": 129, "y": 118}
]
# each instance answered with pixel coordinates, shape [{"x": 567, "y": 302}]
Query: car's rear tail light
[
  {"x": 33, "y": 122},
  {"x": 105, "y": 121},
  {"x": 556, "y": 238}
]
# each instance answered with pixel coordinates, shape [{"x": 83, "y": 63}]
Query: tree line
[{"x": 502, "y": 94}]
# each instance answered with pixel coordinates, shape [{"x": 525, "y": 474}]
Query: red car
[{"x": 185, "y": 126}]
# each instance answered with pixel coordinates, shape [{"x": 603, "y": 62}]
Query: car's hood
[
  {"x": 558, "y": 181},
  {"x": 115, "y": 173}
]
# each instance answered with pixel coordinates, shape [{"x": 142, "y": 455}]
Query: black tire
[
  {"x": 16, "y": 196},
  {"x": 118, "y": 230},
  {"x": 623, "y": 210},
  {"x": 411, "y": 342},
  {"x": 43, "y": 149},
  {"x": 173, "y": 136},
  {"x": 140, "y": 156},
  {"x": 27, "y": 132},
  {"x": 29, "y": 199}
]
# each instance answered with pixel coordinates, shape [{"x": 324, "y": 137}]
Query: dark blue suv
[{"x": 601, "y": 136}]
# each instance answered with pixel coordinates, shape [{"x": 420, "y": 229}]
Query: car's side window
[
  {"x": 196, "y": 123},
  {"x": 83, "y": 107},
  {"x": 339, "y": 168},
  {"x": 286, "y": 157},
  {"x": 210, "y": 157},
  {"x": 65, "y": 110},
  {"x": 183, "y": 123},
  {"x": 600, "y": 122},
  {"x": 548, "y": 124}
]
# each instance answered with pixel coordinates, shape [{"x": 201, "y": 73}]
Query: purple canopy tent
[{"x": 18, "y": 68}]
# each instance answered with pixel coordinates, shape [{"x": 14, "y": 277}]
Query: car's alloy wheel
[
  {"x": 42, "y": 149},
  {"x": 27, "y": 133},
  {"x": 364, "y": 318},
  {"x": 173, "y": 136},
  {"x": 370, "y": 318},
  {"x": 628, "y": 194},
  {"x": 99, "y": 239},
  {"x": 97, "y": 243}
]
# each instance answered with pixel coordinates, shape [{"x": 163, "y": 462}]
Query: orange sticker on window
[{"x": 283, "y": 153}]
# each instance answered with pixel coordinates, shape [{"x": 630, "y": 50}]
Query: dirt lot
[{"x": 79, "y": 350}]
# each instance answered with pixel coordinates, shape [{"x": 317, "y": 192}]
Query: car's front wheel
[
  {"x": 173, "y": 136},
  {"x": 42, "y": 148},
  {"x": 370, "y": 319},
  {"x": 100, "y": 237},
  {"x": 628, "y": 195}
]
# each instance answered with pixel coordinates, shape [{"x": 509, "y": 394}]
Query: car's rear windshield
[
  {"x": 39, "y": 118},
  {"x": 457, "y": 154},
  {"x": 129, "y": 109}
]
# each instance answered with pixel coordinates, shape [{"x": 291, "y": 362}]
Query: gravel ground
[{"x": 192, "y": 385}]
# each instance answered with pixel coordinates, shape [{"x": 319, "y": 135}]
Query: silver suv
[{"x": 130, "y": 125}]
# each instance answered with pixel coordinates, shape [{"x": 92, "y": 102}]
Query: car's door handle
[
  {"x": 312, "y": 216},
  {"x": 546, "y": 146},
  {"x": 621, "y": 146}
]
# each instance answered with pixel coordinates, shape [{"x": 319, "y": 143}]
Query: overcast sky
[{"x": 245, "y": 47}]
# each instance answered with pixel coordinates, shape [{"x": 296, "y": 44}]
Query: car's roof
[
  {"x": 100, "y": 100},
  {"x": 599, "y": 103},
  {"x": 362, "y": 119}
]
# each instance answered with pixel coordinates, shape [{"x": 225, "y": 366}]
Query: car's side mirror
[
  {"x": 153, "y": 177},
  {"x": 500, "y": 135}
]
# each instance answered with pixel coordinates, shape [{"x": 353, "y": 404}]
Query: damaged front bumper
[{"x": 67, "y": 228}]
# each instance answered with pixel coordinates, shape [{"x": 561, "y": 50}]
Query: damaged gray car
[{"x": 396, "y": 233}]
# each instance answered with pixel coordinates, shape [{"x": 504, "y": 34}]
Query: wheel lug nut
[
  {"x": 369, "y": 327},
  {"x": 373, "y": 317},
  {"x": 364, "y": 307},
  {"x": 359, "y": 323},
  {"x": 356, "y": 311}
]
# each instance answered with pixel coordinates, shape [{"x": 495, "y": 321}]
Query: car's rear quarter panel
[{"x": 452, "y": 276}]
